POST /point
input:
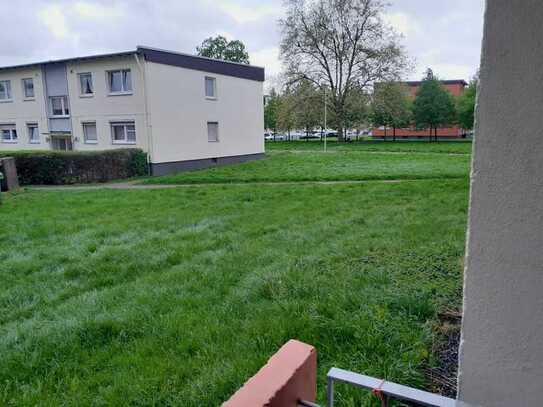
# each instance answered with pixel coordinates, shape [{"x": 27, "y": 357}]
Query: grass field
[
  {"x": 305, "y": 161},
  {"x": 452, "y": 147},
  {"x": 176, "y": 297}
]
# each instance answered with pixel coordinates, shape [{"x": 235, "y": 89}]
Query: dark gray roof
[
  {"x": 160, "y": 56},
  {"x": 202, "y": 64}
]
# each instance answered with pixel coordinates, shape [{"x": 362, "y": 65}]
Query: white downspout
[{"x": 146, "y": 119}]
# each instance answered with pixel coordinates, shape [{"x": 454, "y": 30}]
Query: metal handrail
[{"x": 389, "y": 390}]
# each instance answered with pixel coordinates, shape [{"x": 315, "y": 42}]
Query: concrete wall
[
  {"x": 21, "y": 111},
  {"x": 104, "y": 108},
  {"x": 501, "y": 358},
  {"x": 179, "y": 112}
]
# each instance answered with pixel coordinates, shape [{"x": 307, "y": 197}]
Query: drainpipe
[{"x": 148, "y": 127}]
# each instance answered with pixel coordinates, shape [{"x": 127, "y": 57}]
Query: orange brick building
[{"x": 456, "y": 87}]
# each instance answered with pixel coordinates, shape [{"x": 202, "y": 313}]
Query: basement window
[{"x": 212, "y": 131}]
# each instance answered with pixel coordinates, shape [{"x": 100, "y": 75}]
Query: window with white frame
[
  {"x": 85, "y": 84},
  {"x": 28, "y": 88},
  {"x": 123, "y": 132},
  {"x": 9, "y": 133},
  {"x": 120, "y": 81},
  {"x": 33, "y": 133},
  {"x": 212, "y": 131},
  {"x": 90, "y": 136},
  {"x": 211, "y": 87},
  {"x": 5, "y": 91},
  {"x": 59, "y": 106}
]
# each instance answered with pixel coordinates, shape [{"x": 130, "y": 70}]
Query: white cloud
[
  {"x": 403, "y": 23},
  {"x": 53, "y": 18},
  {"x": 437, "y": 60},
  {"x": 268, "y": 58},
  {"x": 453, "y": 71},
  {"x": 243, "y": 14},
  {"x": 446, "y": 37},
  {"x": 96, "y": 11}
]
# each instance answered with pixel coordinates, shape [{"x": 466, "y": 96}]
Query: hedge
[{"x": 57, "y": 168}]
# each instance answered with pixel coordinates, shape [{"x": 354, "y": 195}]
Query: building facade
[
  {"x": 456, "y": 87},
  {"x": 185, "y": 111}
]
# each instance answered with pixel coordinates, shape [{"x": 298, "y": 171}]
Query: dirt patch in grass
[{"x": 442, "y": 378}]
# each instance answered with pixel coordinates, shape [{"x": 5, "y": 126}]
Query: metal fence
[{"x": 384, "y": 390}]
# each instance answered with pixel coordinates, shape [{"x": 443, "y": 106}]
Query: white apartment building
[{"x": 185, "y": 111}]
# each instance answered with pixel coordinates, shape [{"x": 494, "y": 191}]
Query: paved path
[{"x": 133, "y": 185}]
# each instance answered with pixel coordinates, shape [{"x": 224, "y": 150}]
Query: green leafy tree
[
  {"x": 286, "y": 113},
  {"x": 466, "y": 105},
  {"x": 391, "y": 106},
  {"x": 220, "y": 48},
  {"x": 308, "y": 105},
  {"x": 357, "y": 110},
  {"x": 341, "y": 45},
  {"x": 270, "y": 111},
  {"x": 434, "y": 106}
]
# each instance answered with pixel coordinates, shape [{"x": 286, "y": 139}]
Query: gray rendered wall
[{"x": 501, "y": 357}]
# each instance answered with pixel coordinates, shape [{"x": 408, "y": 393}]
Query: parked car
[{"x": 274, "y": 137}]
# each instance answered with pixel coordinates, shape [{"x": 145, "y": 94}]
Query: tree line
[
  {"x": 301, "y": 106},
  {"x": 433, "y": 106},
  {"x": 390, "y": 105}
]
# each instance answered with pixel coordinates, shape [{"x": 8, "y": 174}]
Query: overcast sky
[{"x": 442, "y": 34}]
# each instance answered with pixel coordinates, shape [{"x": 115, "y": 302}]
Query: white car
[{"x": 272, "y": 137}]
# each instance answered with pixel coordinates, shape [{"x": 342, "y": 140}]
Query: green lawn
[
  {"x": 336, "y": 165},
  {"x": 422, "y": 146},
  {"x": 176, "y": 297}
]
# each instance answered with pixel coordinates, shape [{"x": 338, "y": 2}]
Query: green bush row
[{"x": 58, "y": 168}]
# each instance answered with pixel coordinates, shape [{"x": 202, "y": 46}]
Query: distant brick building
[{"x": 456, "y": 87}]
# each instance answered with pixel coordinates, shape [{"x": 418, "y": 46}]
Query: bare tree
[{"x": 342, "y": 45}]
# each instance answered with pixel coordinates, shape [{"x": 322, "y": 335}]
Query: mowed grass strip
[
  {"x": 176, "y": 297},
  {"x": 400, "y": 146},
  {"x": 311, "y": 166}
]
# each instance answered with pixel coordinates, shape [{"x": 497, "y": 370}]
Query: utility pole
[{"x": 325, "y": 126}]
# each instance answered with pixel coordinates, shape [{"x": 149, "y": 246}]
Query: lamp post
[{"x": 325, "y": 114}]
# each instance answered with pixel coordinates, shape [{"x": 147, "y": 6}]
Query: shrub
[{"x": 57, "y": 168}]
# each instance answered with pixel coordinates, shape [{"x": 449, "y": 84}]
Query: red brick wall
[
  {"x": 289, "y": 376},
  {"x": 452, "y": 132}
]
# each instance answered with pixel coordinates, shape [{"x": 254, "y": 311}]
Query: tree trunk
[
  {"x": 385, "y": 138},
  {"x": 435, "y": 133},
  {"x": 430, "y": 137},
  {"x": 340, "y": 137},
  {"x": 394, "y": 134}
]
